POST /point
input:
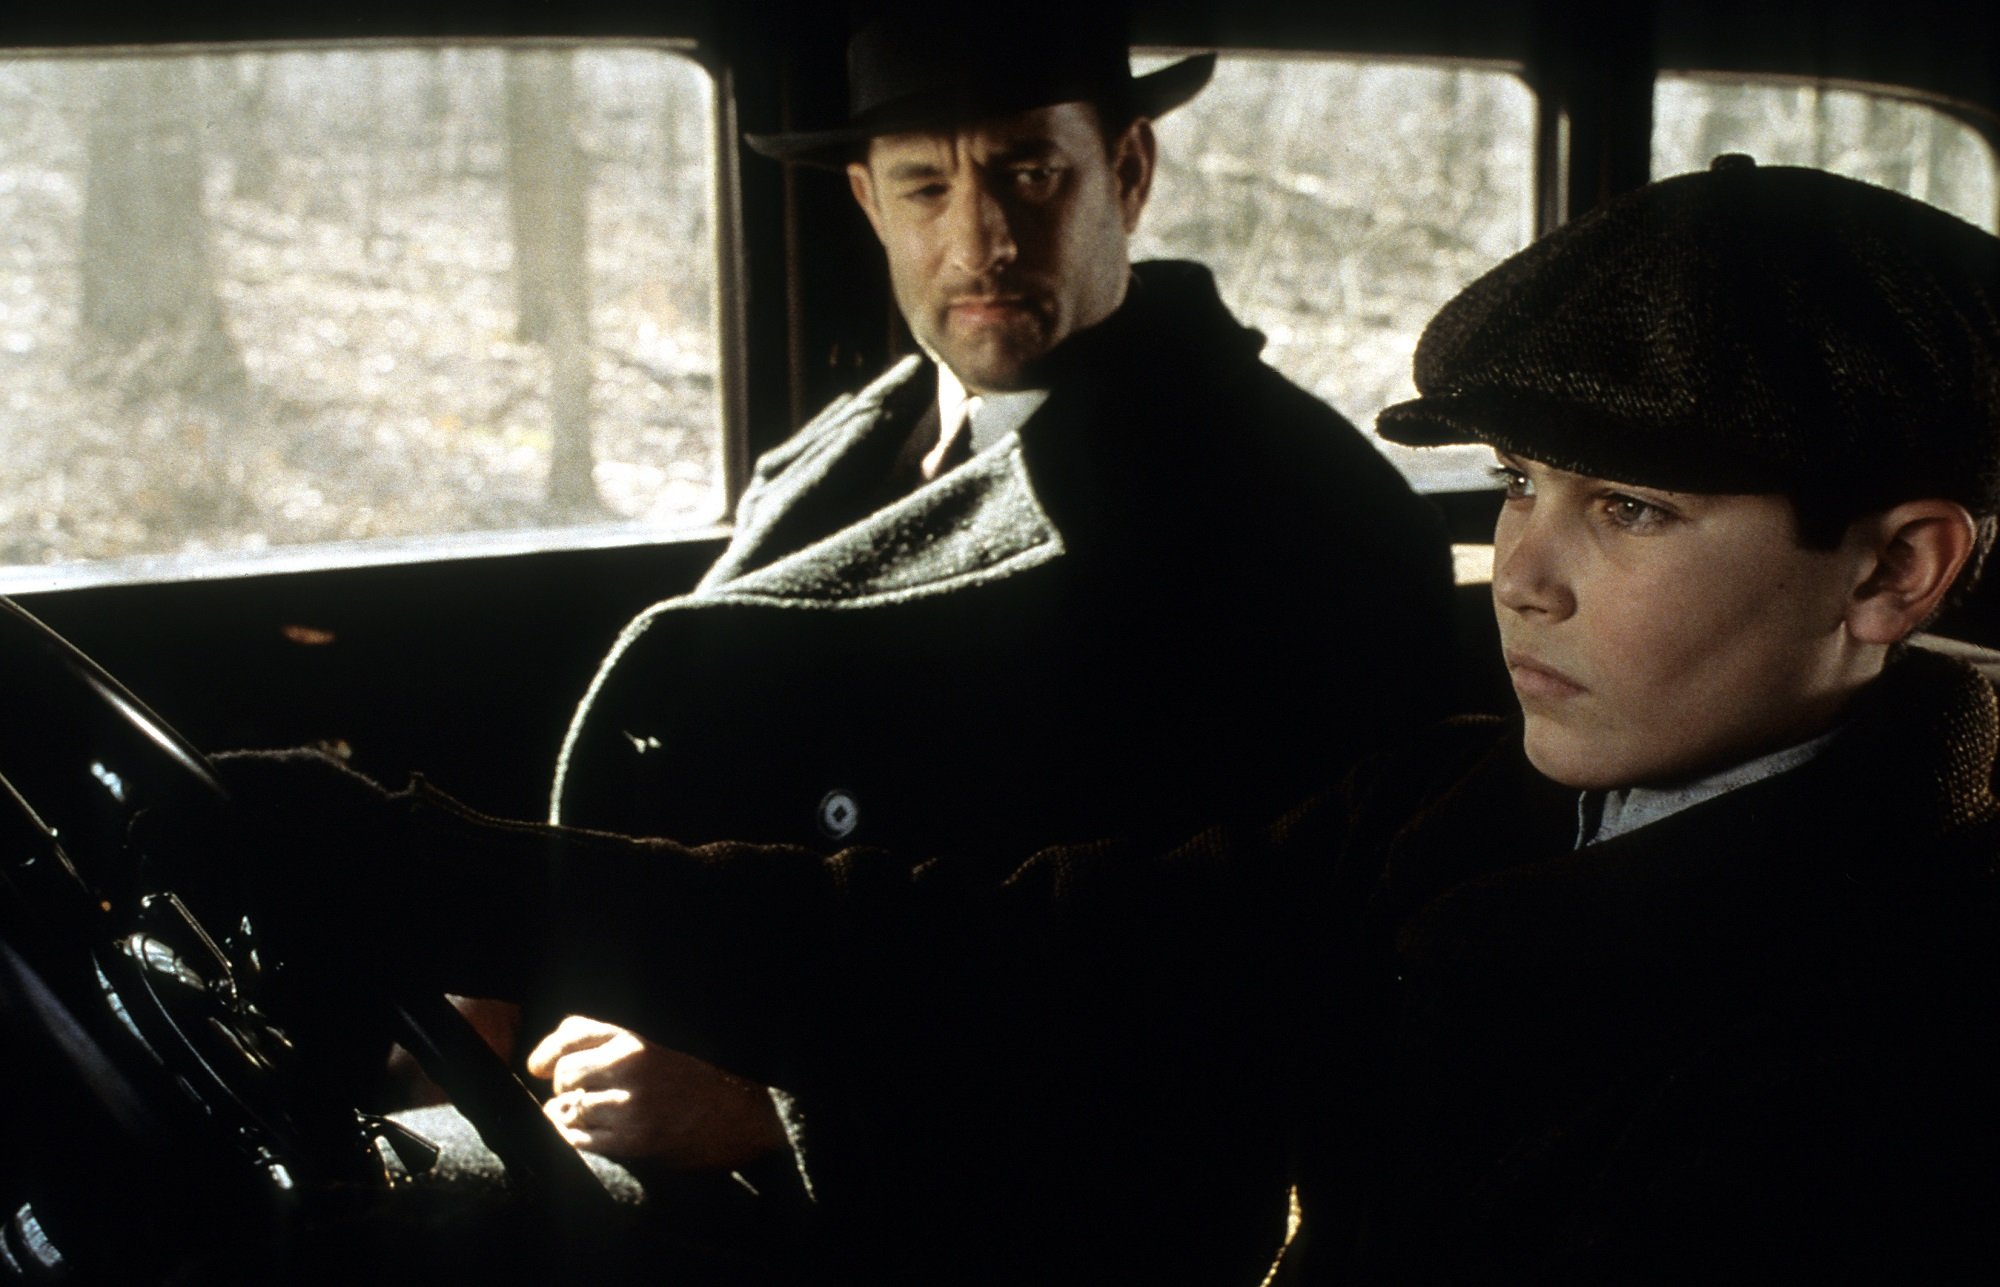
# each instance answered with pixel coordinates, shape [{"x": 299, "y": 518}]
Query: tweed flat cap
[{"x": 1743, "y": 329}]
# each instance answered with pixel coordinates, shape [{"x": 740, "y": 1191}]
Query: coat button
[{"x": 838, "y": 815}]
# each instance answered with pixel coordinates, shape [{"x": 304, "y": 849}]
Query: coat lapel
[
  {"x": 980, "y": 522},
  {"x": 808, "y": 487}
]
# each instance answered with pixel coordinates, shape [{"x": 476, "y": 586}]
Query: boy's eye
[
  {"x": 1032, "y": 176},
  {"x": 1633, "y": 514},
  {"x": 1513, "y": 484}
]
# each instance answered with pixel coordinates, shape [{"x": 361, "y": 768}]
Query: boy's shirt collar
[{"x": 1604, "y": 815}]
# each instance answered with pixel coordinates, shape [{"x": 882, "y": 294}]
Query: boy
[{"x": 1691, "y": 970}]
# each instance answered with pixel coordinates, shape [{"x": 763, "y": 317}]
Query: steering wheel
[{"x": 162, "y": 1077}]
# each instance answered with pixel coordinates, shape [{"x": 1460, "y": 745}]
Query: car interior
[{"x": 351, "y": 473}]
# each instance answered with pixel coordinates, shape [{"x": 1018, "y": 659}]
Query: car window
[
  {"x": 329, "y": 304},
  {"x": 1915, "y": 147},
  {"x": 1341, "y": 201}
]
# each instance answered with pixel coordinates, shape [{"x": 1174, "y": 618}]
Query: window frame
[{"x": 1512, "y": 67}]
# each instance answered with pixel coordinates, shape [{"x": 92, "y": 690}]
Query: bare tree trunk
[
  {"x": 548, "y": 177},
  {"x": 152, "y": 320},
  {"x": 572, "y": 484},
  {"x": 447, "y": 157},
  {"x": 256, "y": 170}
]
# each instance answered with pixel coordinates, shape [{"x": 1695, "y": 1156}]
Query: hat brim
[
  {"x": 1154, "y": 94},
  {"x": 1580, "y": 440}
]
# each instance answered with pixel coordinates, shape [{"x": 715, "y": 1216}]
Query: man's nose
[
  {"x": 1531, "y": 574},
  {"x": 980, "y": 237}
]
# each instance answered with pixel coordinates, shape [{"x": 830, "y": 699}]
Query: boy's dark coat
[{"x": 1754, "y": 1040}]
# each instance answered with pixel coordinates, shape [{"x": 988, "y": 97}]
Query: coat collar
[
  {"x": 1490, "y": 866},
  {"x": 980, "y": 522},
  {"x": 798, "y": 543}
]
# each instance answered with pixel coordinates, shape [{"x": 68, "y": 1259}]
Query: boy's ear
[{"x": 1913, "y": 552}]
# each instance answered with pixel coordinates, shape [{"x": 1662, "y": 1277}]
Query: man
[{"x": 1084, "y": 567}]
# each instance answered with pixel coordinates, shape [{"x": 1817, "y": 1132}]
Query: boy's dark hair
[{"x": 1821, "y": 517}]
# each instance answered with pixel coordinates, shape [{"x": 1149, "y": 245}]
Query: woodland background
[{"x": 269, "y": 298}]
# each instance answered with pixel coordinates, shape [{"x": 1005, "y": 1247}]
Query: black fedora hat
[{"x": 941, "y": 65}]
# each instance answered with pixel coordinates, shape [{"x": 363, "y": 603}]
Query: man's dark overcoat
[
  {"x": 1753, "y": 1041},
  {"x": 1187, "y": 590}
]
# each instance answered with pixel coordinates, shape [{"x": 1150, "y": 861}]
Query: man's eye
[
  {"x": 925, "y": 192},
  {"x": 1513, "y": 484},
  {"x": 1033, "y": 176}
]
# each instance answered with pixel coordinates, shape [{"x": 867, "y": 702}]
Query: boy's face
[{"x": 1653, "y": 636}]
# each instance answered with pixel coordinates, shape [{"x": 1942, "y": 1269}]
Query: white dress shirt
[{"x": 992, "y": 416}]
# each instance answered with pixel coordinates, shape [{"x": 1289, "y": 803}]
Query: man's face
[
  {"x": 1653, "y": 636},
  {"x": 1008, "y": 236}
]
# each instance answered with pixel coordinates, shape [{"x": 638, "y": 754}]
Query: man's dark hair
[{"x": 1114, "y": 117}]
